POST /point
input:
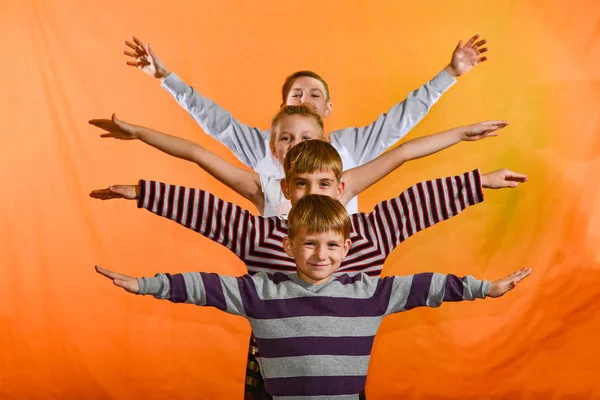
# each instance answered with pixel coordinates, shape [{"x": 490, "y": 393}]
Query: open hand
[
  {"x": 501, "y": 286},
  {"x": 502, "y": 178},
  {"x": 116, "y": 128},
  {"x": 126, "y": 282},
  {"x": 466, "y": 56},
  {"x": 483, "y": 129},
  {"x": 128, "y": 192},
  {"x": 143, "y": 58}
]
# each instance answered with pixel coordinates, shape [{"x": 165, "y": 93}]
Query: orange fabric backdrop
[{"x": 66, "y": 333}]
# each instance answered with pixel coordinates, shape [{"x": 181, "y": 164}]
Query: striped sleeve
[
  {"x": 218, "y": 220},
  {"x": 421, "y": 206},
  {"x": 429, "y": 290},
  {"x": 199, "y": 288}
]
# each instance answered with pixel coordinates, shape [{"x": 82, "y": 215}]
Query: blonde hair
[
  {"x": 318, "y": 214},
  {"x": 304, "y": 109}
]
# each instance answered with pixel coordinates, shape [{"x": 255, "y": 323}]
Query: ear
[
  {"x": 340, "y": 190},
  {"x": 346, "y": 249},
  {"x": 285, "y": 188},
  {"x": 288, "y": 246},
  {"x": 328, "y": 109}
]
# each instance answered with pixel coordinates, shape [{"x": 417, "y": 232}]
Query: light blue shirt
[{"x": 356, "y": 146}]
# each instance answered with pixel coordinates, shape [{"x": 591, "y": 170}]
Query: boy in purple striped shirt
[
  {"x": 312, "y": 167},
  {"x": 315, "y": 329}
]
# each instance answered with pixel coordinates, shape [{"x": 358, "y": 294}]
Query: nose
[
  {"x": 321, "y": 253},
  {"x": 313, "y": 189}
]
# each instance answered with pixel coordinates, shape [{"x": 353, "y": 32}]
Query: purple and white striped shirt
[
  {"x": 258, "y": 241},
  {"x": 315, "y": 340}
]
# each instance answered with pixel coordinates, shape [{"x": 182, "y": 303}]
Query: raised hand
[
  {"x": 501, "y": 286},
  {"x": 502, "y": 178},
  {"x": 116, "y": 128},
  {"x": 128, "y": 192},
  {"x": 466, "y": 56},
  {"x": 143, "y": 58},
  {"x": 126, "y": 282},
  {"x": 483, "y": 129}
]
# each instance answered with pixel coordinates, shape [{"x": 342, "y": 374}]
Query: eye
[
  {"x": 296, "y": 95},
  {"x": 316, "y": 95},
  {"x": 300, "y": 183},
  {"x": 306, "y": 138},
  {"x": 325, "y": 184},
  {"x": 333, "y": 245},
  {"x": 309, "y": 244},
  {"x": 285, "y": 139}
]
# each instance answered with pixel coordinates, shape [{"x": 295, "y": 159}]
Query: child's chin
[
  {"x": 321, "y": 272},
  {"x": 321, "y": 276}
]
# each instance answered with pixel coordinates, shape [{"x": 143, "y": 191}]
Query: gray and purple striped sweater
[
  {"x": 315, "y": 340},
  {"x": 258, "y": 241}
]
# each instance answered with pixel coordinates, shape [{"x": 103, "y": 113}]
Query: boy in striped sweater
[
  {"x": 315, "y": 329},
  {"x": 312, "y": 167}
]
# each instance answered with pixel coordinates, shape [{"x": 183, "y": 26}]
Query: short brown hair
[
  {"x": 318, "y": 214},
  {"x": 289, "y": 81},
  {"x": 312, "y": 156},
  {"x": 303, "y": 109}
]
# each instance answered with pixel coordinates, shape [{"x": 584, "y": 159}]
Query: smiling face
[
  {"x": 291, "y": 130},
  {"x": 318, "y": 237},
  {"x": 317, "y": 255},
  {"x": 306, "y": 89}
]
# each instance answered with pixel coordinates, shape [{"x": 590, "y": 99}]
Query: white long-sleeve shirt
[{"x": 356, "y": 146}]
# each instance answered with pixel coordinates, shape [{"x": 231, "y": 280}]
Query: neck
[{"x": 310, "y": 280}]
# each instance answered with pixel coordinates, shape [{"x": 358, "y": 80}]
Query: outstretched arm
[
  {"x": 366, "y": 143},
  {"x": 250, "y": 145},
  {"x": 428, "y": 203},
  {"x": 360, "y": 178},
  {"x": 199, "y": 288},
  {"x": 220, "y": 221},
  {"x": 242, "y": 181},
  {"x": 432, "y": 289},
  {"x": 256, "y": 240}
]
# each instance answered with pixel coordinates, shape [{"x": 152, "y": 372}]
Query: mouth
[{"x": 319, "y": 265}]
